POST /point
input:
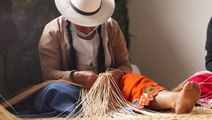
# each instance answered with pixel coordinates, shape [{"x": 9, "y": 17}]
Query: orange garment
[{"x": 138, "y": 89}]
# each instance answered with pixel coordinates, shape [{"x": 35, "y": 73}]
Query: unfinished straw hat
[{"x": 86, "y": 12}]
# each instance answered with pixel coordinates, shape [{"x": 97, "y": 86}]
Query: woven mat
[{"x": 198, "y": 113}]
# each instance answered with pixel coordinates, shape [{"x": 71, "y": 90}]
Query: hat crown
[
  {"x": 87, "y": 5},
  {"x": 86, "y": 12}
]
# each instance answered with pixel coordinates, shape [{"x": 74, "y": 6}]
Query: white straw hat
[{"x": 86, "y": 12}]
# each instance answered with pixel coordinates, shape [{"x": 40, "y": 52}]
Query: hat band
[{"x": 83, "y": 12}]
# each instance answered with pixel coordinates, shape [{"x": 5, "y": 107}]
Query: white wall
[{"x": 168, "y": 38}]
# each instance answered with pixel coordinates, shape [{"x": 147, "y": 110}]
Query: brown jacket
[{"x": 54, "y": 50}]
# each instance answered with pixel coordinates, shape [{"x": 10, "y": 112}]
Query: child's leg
[{"x": 181, "y": 102}]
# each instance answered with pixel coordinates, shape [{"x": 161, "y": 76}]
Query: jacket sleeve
[
  {"x": 118, "y": 47},
  {"x": 208, "y": 47},
  {"x": 50, "y": 54}
]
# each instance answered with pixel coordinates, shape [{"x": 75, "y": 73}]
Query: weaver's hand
[
  {"x": 85, "y": 78},
  {"x": 117, "y": 74}
]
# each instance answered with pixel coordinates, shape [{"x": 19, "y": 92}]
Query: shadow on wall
[{"x": 21, "y": 22}]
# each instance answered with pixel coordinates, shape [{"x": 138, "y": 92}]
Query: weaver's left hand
[{"x": 117, "y": 74}]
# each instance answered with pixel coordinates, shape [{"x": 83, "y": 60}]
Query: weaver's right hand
[{"x": 85, "y": 78}]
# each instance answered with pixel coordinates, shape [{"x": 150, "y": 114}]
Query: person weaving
[{"x": 86, "y": 41}]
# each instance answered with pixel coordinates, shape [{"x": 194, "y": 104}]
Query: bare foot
[{"x": 187, "y": 98}]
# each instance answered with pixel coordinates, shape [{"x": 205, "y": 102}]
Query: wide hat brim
[{"x": 105, "y": 12}]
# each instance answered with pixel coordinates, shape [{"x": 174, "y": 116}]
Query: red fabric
[{"x": 204, "y": 79}]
